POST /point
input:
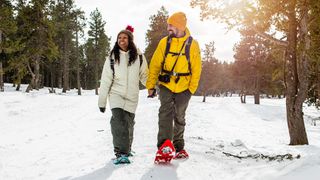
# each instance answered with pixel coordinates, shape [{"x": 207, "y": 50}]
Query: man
[{"x": 176, "y": 63}]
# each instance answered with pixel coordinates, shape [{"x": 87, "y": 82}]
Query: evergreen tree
[
  {"x": 252, "y": 56},
  {"x": 7, "y": 29},
  {"x": 64, "y": 18},
  {"x": 208, "y": 80},
  {"x": 35, "y": 36},
  {"x": 98, "y": 47},
  {"x": 80, "y": 24},
  {"x": 314, "y": 83},
  {"x": 158, "y": 30}
]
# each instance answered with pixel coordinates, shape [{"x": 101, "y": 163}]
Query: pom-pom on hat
[
  {"x": 128, "y": 31},
  {"x": 130, "y": 28}
]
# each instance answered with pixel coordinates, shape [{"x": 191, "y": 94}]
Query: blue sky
[{"x": 118, "y": 14}]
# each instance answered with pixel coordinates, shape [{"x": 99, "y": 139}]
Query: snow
[{"x": 65, "y": 137}]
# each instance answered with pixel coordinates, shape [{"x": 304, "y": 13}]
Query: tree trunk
[
  {"x": 1, "y": 69},
  {"x": 47, "y": 76},
  {"x": 65, "y": 67},
  {"x": 37, "y": 73},
  {"x": 18, "y": 86},
  {"x": 65, "y": 77},
  {"x": 243, "y": 97},
  {"x": 77, "y": 60},
  {"x": 60, "y": 72},
  {"x": 1, "y": 77},
  {"x": 96, "y": 75},
  {"x": 84, "y": 78},
  {"x": 204, "y": 97},
  {"x": 257, "y": 90},
  {"x": 318, "y": 83},
  {"x": 294, "y": 94},
  {"x": 52, "y": 77},
  {"x": 43, "y": 76},
  {"x": 256, "y": 98},
  {"x": 96, "y": 81},
  {"x": 31, "y": 84}
]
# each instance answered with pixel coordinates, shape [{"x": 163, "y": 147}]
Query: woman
[{"x": 120, "y": 78}]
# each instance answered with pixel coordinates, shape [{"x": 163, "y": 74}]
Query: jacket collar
[
  {"x": 185, "y": 37},
  {"x": 124, "y": 52}
]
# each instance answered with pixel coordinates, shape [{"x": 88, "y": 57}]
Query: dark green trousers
[
  {"x": 172, "y": 116},
  {"x": 122, "y": 123}
]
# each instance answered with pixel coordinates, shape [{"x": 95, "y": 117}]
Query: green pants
[
  {"x": 172, "y": 116},
  {"x": 122, "y": 123}
]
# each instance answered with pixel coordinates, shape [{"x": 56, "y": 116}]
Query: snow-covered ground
[{"x": 65, "y": 137}]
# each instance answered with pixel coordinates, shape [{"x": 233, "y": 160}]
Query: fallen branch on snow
[{"x": 262, "y": 156}]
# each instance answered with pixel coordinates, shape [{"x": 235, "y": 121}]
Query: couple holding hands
[{"x": 175, "y": 67}]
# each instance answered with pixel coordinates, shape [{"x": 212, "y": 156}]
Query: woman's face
[{"x": 123, "y": 41}]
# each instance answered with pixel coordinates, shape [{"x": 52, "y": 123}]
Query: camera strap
[{"x": 174, "y": 65}]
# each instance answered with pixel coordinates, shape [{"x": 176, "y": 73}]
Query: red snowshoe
[
  {"x": 181, "y": 155},
  {"x": 165, "y": 153}
]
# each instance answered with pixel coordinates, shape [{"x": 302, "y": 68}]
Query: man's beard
[{"x": 172, "y": 34}]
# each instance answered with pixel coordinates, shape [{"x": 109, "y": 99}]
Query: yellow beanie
[{"x": 178, "y": 20}]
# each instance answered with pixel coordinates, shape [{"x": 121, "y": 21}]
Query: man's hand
[
  {"x": 152, "y": 93},
  {"x": 102, "y": 109}
]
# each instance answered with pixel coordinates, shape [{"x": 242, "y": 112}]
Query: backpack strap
[
  {"x": 187, "y": 52},
  {"x": 169, "y": 39},
  {"x": 141, "y": 59},
  {"x": 112, "y": 66}
]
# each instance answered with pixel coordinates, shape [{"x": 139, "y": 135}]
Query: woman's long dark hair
[{"x": 133, "y": 52}]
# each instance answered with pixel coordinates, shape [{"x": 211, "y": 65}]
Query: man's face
[{"x": 172, "y": 30}]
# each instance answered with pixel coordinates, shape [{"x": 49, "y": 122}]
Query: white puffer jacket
[{"x": 124, "y": 91}]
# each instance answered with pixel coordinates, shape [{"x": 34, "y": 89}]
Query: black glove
[
  {"x": 154, "y": 93},
  {"x": 102, "y": 109}
]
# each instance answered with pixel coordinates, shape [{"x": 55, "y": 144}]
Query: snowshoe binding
[
  {"x": 122, "y": 159},
  {"x": 181, "y": 155}
]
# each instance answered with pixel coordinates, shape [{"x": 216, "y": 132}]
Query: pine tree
[
  {"x": 35, "y": 35},
  {"x": 98, "y": 46},
  {"x": 208, "y": 81},
  {"x": 80, "y": 24},
  {"x": 18, "y": 63},
  {"x": 7, "y": 29},
  {"x": 314, "y": 85},
  {"x": 252, "y": 56},
  {"x": 64, "y": 17},
  {"x": 157, "y": 30}
]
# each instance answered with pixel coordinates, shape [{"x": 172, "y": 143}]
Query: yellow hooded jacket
[{"x": 186, "y": 82}]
